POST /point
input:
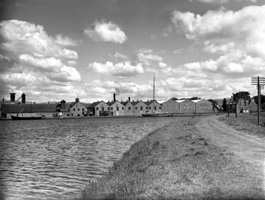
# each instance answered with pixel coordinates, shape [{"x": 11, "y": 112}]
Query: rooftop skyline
[{"x": 63, "y": 49}]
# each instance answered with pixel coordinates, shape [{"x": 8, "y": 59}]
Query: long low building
[{"x": 187, "y": 106}]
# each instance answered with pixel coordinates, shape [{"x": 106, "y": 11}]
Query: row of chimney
[
  {"x": 13, "y": 98},
  {"x": 114, "y": 98}
]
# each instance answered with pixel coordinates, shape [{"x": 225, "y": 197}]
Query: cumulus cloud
[
  {"x": 65, "y": 41},
  {"x": 237, "y": 36},
  {"x": 120, "y": 56},
  {"x": 146, "y": 56},
  {"x": 162, "y": 65},
  {"x": 25, "y": 37},
  {"x": 117, "y": 69},
  {"x": 106, "y": 32},
  {"x": 35, "y": 61},
  {"x": 220, "y": 1},
  {"x": 123, "y": 89}
]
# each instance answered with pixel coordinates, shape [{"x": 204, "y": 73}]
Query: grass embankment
[
  {"x": 247, "y": 123},
  {"x": 175, "y": 162}
]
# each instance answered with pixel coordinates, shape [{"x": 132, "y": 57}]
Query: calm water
[{"x": 54, "y": 159}]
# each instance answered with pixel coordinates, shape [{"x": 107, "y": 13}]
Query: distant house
[
  {"x": 99, "y": 108},
  {"x": 128, "y": 108},
  {"x": 77, "y": 109},
  {"x": 170, "y": 106},
  {"x": 186, "y": 106},
  {"x": 203, "y": 106},
  {"x": 116, "y": 108},
  {"x": 139, "y": 107},
  {"x": 153, "y": 106},
  {"x": 253, "y": 107}
]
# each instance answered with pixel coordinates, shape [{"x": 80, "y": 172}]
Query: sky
[{"x": 55, "y": 50}]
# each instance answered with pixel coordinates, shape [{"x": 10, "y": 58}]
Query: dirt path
[{"x": 249, "y": 148}]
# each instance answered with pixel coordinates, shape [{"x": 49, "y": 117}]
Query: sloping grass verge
[
  {"x": 175, "y": 162},
  {"x": 248, "y": 123}
]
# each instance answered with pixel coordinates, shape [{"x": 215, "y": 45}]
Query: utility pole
[{"x": 258, "y": 81}]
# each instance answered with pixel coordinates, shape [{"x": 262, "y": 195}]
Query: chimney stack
[
  {"x": 129, "y": 99},
  {"x": 63, "y": 104},
  {"x": 114, "y": 97},
  {"x": 23, "y": 96},
  {"x": 12, "y": 97}
]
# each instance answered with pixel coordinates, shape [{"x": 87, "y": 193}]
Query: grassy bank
[
  {"x": 247, "y": 123},
  {"x": 175, "y": 162}
]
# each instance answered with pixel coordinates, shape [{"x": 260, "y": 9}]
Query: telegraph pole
[{"x": 258, "y": 81}]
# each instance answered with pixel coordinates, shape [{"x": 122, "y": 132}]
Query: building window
[
  {"x": 78, "y": 109},
  {"x": 155, "y": 108},
  {"x": 135, "y": 108},
  {"x": 102, "y": 108},
  {"x": 160, "y": 107},
  {"x": 141, "y": 108},
  {"x": 83, "y": 109},
  {"x": 129, "y": 108},
  {"x": 111, "y": 108},
  {"x": 122, "y": 108},
  {"x": 117, "y": 108},
  {"x": 74, "y": 109},
  {"x": 146, "y": 108},
  {"x": 108, "y": 108},
  {"x": 78, "y": 115},
  {"x": 96, "y": 108}
]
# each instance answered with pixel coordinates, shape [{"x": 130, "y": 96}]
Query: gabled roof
[
  {"x": 94, "y": 104},
  {"x": 113, "y": 102},
  {"x": 124, "y": 103},
  {"x": 148, "y": 103},
  {"x": 72, "y": 104}
]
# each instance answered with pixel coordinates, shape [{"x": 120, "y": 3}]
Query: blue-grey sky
[{"x": 64, "y": 49}]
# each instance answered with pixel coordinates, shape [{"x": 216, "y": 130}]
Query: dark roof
[
  {"x": 135, "y": 102},
  {"x": 110, "y": 103},
  {"x": 125, "y": 102},
  {"x": 148, "y": 103},
  {"x": 31, "y": 108}
]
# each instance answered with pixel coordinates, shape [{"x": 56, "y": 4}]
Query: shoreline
[{"x": 175, "y": 162}]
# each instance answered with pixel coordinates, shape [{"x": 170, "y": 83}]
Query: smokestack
[
  {"x": 23, "y": 96},
  {"x": 114, "y": 97},
  {"x": 129, "y": 99},
  {"x": 12, "y": 97},
  {"x": 63, "y": 106}
]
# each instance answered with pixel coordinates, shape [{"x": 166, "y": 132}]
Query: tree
[
  {"x": 195, "y": 98},
  {"x": 224, "y": 105},
  {"x": 241, "y": 95},
  {"x": 214, "y": 103}
]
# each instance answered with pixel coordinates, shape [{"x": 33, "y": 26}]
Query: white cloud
[
  {"x": 177, "y": 51},
  {"x": 106, "y": 32},
  {"x": 36, "y": 63},
  {"x": 24, "y": 37},
  {"x": 162, "y": 65},
  {"x": 120, "y": 56},
  {"x": 237, "y": 36},
  {"x": 104, "y": 90},
  {"x": 118, "y": 69},
  {"x": 146, "y": 57},
  {"x": 65, "y": 41},
  {"x": 220, "y": 1}
]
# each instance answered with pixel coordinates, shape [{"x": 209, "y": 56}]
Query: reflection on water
[{"x": 54, "y": 159}]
